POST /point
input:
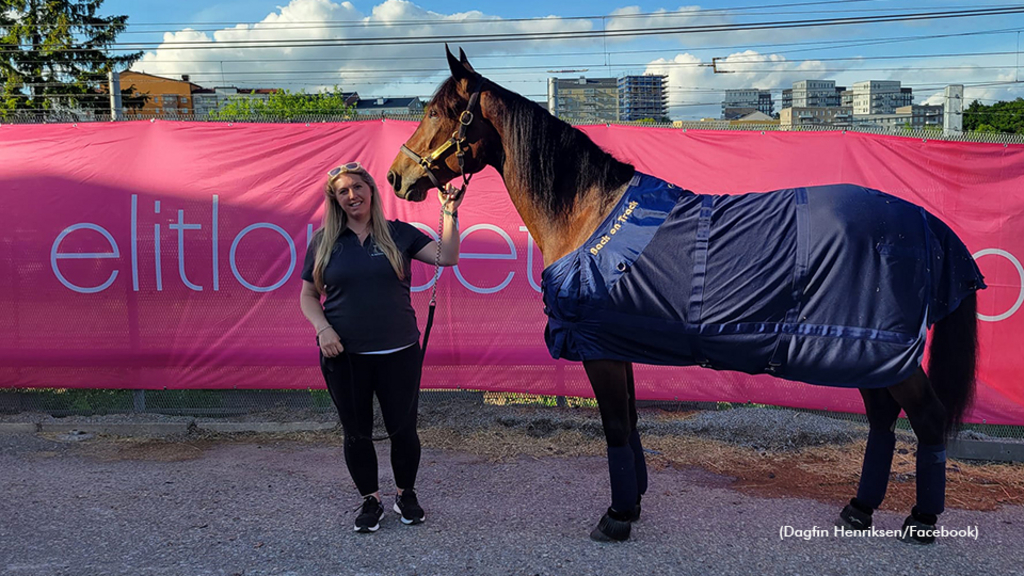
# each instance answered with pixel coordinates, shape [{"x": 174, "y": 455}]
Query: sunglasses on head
[{"x": 350, "y": 167}]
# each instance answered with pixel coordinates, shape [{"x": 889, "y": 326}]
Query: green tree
[
  {"x": 1006, "y": 116},
  {"x": 54, "y": 54},
  {"x": 286, "y": 105}
]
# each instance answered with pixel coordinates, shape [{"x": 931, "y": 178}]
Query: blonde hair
[{"x": 336, "y": 221}]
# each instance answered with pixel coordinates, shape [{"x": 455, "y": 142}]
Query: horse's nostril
[{"x": 391, "y": 178}]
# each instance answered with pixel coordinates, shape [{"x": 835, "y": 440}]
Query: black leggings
[{"x": 352, "y": 380}]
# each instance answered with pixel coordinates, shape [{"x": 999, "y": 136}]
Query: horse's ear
[
  {"x": 465, "y": 61},
  {"x": 459, "y": 70}
]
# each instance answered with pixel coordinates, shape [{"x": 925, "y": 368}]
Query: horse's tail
[{"x": 953, "y": 359}]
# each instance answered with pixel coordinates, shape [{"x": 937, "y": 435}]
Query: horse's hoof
[
  {"x": 612, "y": 529},
  {"x": 917, "y": 532},
  {"x": 852, "y": 518}
]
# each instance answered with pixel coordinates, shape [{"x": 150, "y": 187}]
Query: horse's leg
[
  {"x": 610, "y": 383},
  {"x": 882, "y": 410},
  {"x": 639, "y": 462},
  {"x": 927, "y": 417}
]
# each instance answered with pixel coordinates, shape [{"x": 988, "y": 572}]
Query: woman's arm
[
  {"x": 450, "y": 203},
  {"x": 309, "y": 302}
]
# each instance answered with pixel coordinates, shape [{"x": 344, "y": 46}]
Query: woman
[{"x": 359, "y": 264}]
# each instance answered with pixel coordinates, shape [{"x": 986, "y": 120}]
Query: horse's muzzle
[{"x": 395, "y": 179}]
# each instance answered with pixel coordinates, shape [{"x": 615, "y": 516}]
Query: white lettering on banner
[
  {"x": 1020, "y": 271},
  {"x": 529, "y": 259},
  {"x": 214, "y": 230},
  {"x": 291, "y": 251},
  {"x": 156, "y": 250},
  {"x": 135, "y": 247},
  {"x": 181, "y": 227},
  {"x": 472, "y": 256},
  {"x": 55, "y": 255}
]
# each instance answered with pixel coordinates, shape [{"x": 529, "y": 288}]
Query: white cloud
[
  {"x": 695, "y": 90},
  {"x": 416, "y": 69},
  {"x": 368, "y": 69}
]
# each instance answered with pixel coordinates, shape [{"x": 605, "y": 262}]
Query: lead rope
[{"x": 433, "y": 288}]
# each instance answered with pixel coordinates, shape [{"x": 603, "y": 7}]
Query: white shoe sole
[
  {"x": 373, "y": 528},
  {"x": 406, "y": 521}
]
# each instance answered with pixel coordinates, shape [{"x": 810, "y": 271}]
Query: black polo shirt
[{"x": 366, "y": 303}]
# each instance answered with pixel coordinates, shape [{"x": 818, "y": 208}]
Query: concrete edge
[
  {"x": 986, "y": 450},
  {"x": 147, "y": 429},
  {"x": 263, "y": 427},
  {"x": 18, "y": 428}
]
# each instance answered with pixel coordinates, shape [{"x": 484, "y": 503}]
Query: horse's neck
[
  {"x": 557, "y": 237},
  {"x": 555, "y": 234}
]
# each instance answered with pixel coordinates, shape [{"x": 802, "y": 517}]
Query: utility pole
[
  {"x": 114, "y": 85},
  {"x": 953, "y": 111}
]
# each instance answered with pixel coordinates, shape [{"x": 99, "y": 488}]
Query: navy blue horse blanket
[{"x": 833, "y": 285}]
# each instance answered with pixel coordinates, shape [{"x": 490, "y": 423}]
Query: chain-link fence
[{"x": 65, "y": 117}]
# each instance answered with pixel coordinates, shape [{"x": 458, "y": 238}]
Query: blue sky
[{"x": 980, "y": 52}]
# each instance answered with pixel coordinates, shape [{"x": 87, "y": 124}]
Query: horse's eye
[{"x": 433, "y": 113}]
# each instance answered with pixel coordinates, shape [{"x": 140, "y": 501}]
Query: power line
[
  {"x": 668, "y": 91},
  {"x": 561, "y": 35},
  {"x": 500, "y": 70},
  {"x": 433, "y": 21},
  {"x": 264, "y": 26},
  {"x": 442, "y": 63}
]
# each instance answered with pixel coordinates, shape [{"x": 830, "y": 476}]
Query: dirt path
[{"x": 514, "y": 497}]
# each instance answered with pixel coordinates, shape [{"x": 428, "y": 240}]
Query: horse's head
[{"x": 452, "y": 132}]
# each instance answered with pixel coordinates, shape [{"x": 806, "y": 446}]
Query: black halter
[{"x": 457, "y": 141}]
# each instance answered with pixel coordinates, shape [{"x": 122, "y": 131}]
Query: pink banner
[{"x": 167, "y": 255}]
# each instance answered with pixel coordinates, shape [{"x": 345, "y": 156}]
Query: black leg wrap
[
  {"x": 613, "y": 527},
  {"x": 622, "y": 469},
  {"x": 855, "y": 516},
  {"x": 874, "y": 475},
  {"x": 636, "y": 509},
  {"x": 917, "y": 529}
]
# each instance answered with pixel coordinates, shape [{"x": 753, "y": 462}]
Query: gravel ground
[{"x": 275, "y": 507}]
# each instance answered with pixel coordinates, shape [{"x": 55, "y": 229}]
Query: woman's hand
[
  {"x": 330, "y": 343},
  {"x": 451, "y": 198}
]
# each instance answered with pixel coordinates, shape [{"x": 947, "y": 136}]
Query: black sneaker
[
  {"x": 409, "y": 508},
  {"x": 369, "y": 516}
]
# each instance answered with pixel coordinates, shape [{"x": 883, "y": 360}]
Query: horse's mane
[{"x": 553, "y": 161}]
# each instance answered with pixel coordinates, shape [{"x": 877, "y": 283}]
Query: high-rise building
[
  {"x": 813, "y": 93},
  {"x": 642, "y": 98},
  {"x": 747, "y": 99},
  {"x": 584, "y": 100},
  {"x": 595, "y": 100},
  {"x": 880, "y": 97}
]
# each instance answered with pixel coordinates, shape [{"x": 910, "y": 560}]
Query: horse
[{"x": 617, "y": 245}]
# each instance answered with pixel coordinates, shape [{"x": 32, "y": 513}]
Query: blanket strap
[
  {"x": 700, "y": 268},
  {"x": 789, "y": 326}
]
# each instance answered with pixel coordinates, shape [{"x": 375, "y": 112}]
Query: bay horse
[{"x": 830, "y": 285}]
